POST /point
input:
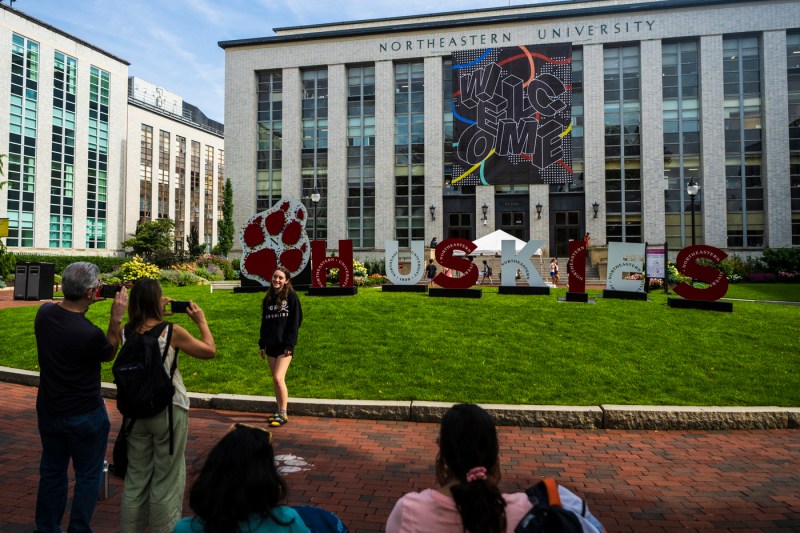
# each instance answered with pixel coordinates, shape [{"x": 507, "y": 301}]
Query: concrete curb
[{"x": 624, "y": 417}]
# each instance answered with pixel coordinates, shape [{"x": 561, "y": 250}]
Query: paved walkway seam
[{"x": 608, "y": 416}]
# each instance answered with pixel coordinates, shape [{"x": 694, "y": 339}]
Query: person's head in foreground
[
  {"x": 239, "y": 482},
  {"x": 467, "y": 464}
]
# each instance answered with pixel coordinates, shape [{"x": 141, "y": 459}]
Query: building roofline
[
  {"x": 63, "y": 33},
  {"x": 166, "y": 114},
  {"x": 655, "y": 5}
]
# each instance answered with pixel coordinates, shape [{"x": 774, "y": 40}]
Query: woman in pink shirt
[{"x": 467, "y": 498}]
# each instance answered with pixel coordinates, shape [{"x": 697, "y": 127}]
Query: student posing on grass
[
  {"x": 156, "y": 478},
  {"x": 468, "y": 472},
  {"x": 281, "y": 316},
  {"x": 239, "y": 488}
]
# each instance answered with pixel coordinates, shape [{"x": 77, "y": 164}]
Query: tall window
[
  {"x": 622, "y": 126},
  {"x": 681, "y": 114},
  {"x": 361, "y": 156},
  {"x": 743, "y": 149},
  {"x": 409, "y": 150},
  {"x": 21, "y": 171},
  {"x": 62, "y": 163},
  {"x": 314, "y": 159},
  {"x": 575, "y": 136},
  {"x": 180, "y": 192},
  {"x": 96, "y": 200},
  {"x": 208, "y": 202},
  {"x": 270, "y": 138},
  {"x": 194, "y": 184},
  {"x": 220, "y": 182},
  {"x": 793, "y": 74},
  {"x": 146, "y": 174},
  {"x": 163, "y": 173},
  {"x": 449, "y": 147}
]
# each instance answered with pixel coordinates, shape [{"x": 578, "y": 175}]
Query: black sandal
[{"x": 278, "y": 420}]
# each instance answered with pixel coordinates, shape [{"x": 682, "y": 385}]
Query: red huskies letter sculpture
[
  {"x": 686, "y": 263},
  {"x": 444, "y": 256},
  {"x": 577, "y": 266},
  {"x": 321, "y": 264},
  {"x": 275, "y": 237}
]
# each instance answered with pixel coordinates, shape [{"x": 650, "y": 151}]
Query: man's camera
[
  {"x": 108, "y": 291},
  {"x": 179, "y": 307}
]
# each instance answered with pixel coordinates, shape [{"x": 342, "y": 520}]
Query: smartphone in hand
[
  {"x": 178, "y": 306},
  {"x": 108, "y": 291}
]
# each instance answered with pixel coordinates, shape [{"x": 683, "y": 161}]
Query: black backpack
[
  {"x": 547, "y": 515},
  {"x": 144, "y": 388}
]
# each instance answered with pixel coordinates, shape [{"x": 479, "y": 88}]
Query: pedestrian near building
[{"x": 71, "y": 414}]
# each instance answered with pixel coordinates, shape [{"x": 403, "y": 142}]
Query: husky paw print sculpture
[{"x": 275, "y": 237}]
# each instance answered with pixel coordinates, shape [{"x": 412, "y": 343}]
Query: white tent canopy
[{"x": 492, "y": 244}]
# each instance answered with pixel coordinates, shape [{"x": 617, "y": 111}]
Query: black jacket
[{"x": 281, "y": 322}]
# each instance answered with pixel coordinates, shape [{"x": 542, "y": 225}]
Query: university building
[
  {"x": 91, "y": 152},
  {"x": 664, "y": 94}
]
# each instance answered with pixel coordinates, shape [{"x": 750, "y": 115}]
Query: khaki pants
[{"x": 155, "y": 480}]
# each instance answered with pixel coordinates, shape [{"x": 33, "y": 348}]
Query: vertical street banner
[{"x": 512, "y": 115}]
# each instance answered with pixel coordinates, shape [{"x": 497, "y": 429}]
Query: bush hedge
[{"x": 60, "y": 262}]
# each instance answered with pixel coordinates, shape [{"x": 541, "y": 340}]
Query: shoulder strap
[
  {"x": 166, "y": 350},
  {"x": 551, "y": 487}
]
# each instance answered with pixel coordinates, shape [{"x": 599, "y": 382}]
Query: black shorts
[{"x": 275, "y": 351}]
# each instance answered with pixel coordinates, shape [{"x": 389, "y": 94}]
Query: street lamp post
[
  {"x": 315, "y": 200},
  {"x": 692, "y": 188}
]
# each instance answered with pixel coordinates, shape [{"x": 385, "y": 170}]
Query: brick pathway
[{"x": 633, "y": 480}]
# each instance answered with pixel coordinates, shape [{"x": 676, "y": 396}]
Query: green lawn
[{"x": 498, "y": 349}]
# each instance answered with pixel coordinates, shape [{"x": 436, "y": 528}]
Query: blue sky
[{"x": 173, "y": 43}]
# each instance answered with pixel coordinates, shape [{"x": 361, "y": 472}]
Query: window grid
[
  {"x": 21, "y": 170},
  {"x": 97, "y": 175},
  {"x": 361, "y": 156},
  {"x": 314, "y": 158},
  {"x": 449, "y": 143},
  {"x": 180, "y": 192},
  {"x": 270, "y": 139},
  {"x": 741, "y": 65},
  {"x": 576, "y": 133},
  {"x": 163, "y": 173},
  {"x": 62, "y": 159},
  {"x": 208, "y": 204},
  {"x": 146, "y": 174},
  {"x": 681, "y": 119},
  {"x": 621, "y": 70},
  {"x": 409, "y": 147},
  {"x": 194, "y": 177},
  {"x": 220, "y": 183},
  {"x": 793, "y": 75}
]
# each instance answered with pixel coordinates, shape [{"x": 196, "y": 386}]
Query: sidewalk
[{"x": 633, "y": 480}]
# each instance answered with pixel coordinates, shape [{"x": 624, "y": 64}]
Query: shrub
[
  {"x": 181, "y": 278},
  {"x": 210, "y": 272},
  {"x": 375, "y": 266},
  {"x": 60, "y": 262},
  {"x": 136, "y": 268},
  {"x": 221, "y": 266},
  {"x": 7, "y": 262},
  {"x": 782, "y": 259},
  {"x": 236, "y": 264}
]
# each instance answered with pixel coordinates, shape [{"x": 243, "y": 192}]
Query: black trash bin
[
  {"x": 40, "y": 281},
  {"x": 21, "y": 281}
]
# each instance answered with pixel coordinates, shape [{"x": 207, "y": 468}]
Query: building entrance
[{"x": 567, "y": 227}]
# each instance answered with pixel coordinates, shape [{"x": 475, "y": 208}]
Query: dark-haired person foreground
[
  {"x": 156, "y": 475},
  {"x": 72, "y": 418},
  {"x": 281, "y": 317},
  {"x": 239, "y": 488},
  {"x": 468, "y": 471}
]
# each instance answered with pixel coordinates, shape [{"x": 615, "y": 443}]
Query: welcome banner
[{"x": 512, "y": 115}]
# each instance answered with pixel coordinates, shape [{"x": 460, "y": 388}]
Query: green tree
[
  {"x": 153, "y": 241},
  {"x": 196, "y": 248},
  {"x": 225, "y": 227}
]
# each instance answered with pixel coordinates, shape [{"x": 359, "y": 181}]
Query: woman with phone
[
  {"x": 156, "y": 475},
  {"x": 281, "y": 316}
]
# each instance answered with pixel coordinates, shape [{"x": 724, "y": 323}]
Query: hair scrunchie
[{"x": 475, "y": 474}]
